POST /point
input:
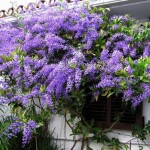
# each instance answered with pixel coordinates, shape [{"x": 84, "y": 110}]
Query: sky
[{"x": 6, "y": 4}]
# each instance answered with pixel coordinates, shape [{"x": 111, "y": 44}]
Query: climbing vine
[{"x": 54, "y": 59}]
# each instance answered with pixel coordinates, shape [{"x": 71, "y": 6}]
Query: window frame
[{"x": 139, "y": 119}]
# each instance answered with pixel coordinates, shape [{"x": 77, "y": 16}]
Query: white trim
[
  {"x": 134, "y": 142},
  {"x": 131, "y": 4}
]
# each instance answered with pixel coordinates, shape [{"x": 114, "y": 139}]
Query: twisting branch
[
  {"x": 87, "y": 143},
  {"x": 82, "y": 145},
  {"x": 82, "y": 118},
  {"x": 131, "y": 140},
  {"x": 113, "y": 124},
  {"x": 68, "y": 122},
  {"x": 36, "y": 142},
  {"x": 76, "y": 141},
  {"x": 108, "y": 129},
  {"x": 40, "y": 103},
  {"x": 35, "y": 103}
]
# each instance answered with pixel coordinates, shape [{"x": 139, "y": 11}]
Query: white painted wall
[{"x": 62, "y": 133}]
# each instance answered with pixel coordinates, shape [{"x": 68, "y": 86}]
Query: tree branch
[{"x": 75, "y": 143}]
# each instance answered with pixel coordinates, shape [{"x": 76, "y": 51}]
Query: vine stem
[
  {"x": 82, "y": 118},
  {"x": 108, "y": 129},
  {"x": 130, "y": 145},
  {"x": 87, "y": 143},
  {"x": 36, "y": 143},
  {"x": 146, "y": 144},
  {"x": 131, "y": 140},
  {"x": 35, "y": 104},
  {"x": 72, "y": 130},
  {"x": 134, "y": 139},
  {"x": 40, "y": 103},
  {"x": 88, "y": 126},
  {"x": 82, "y": 145},
  {"x": 76, "y": 141},
  {"x": 68, "y": 122}
]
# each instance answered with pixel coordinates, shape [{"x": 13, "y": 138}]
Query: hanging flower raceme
[
  {"x": 125, "y": 67},
  {"x": 15, "y": 128}
]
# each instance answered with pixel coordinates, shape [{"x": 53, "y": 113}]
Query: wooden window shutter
[{"x": 104, "y": 113}]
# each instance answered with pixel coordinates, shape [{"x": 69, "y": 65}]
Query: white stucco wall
[{"x": 62, "y": 133}]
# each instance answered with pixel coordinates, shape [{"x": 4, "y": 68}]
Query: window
[{"x": 104, "y": 113}]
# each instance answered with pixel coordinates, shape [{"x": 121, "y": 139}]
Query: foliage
[
  {"x": 51, "y": 61},
  {"x": 4, "y": 144},
  {"x": 16, "y": 134},
  {"x": 38, "y": 141}
]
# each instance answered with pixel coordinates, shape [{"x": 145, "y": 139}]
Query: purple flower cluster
[
  {"x": 10, "y": 41},
  {"x": 144, "y": 95},
  {"x": 119, "y": 48},
  {"x": 14, "y": 129},
  {"x": 50, "y": 51},
  {"x": 27, "y": 132},
  {"x": 53, "y": 52},
  {"x": 18, "y": 126},
  {"x": 116, "y": 49}
]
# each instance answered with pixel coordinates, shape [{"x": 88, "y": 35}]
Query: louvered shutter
[{"x": 104, "y": 112}]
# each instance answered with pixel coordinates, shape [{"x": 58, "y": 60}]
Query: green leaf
[
  {"x": 21, "y": 58},
  {"x": 141, "y": 77},
  {"x": 42, "y": 88},
  {"x": 7, "y": 58},
  {"x": 146, "y": 80},
  {"x": 126, "y": 146},
  {"x": 73, "y": 66},
  {"x": 111, "y": 93},
  {"x": 40, "y": 124},
  {"x": 122, "y": 73},
  {"x": 131, "y": 62},
  {"x": 123, "y": 83},
  {"x": 106, "y": 93},
  {"x": 89, "y": 148},
  {"x": 96, "y": 97}
]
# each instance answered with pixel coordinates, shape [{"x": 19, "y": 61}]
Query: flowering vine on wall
[{"x": 54, "y": 59}]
